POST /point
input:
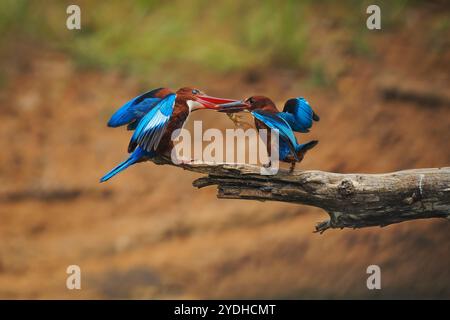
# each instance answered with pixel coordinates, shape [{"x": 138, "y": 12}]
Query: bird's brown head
[
  {"x": 250, "y": 104},
  {"x": 196, "y": 99},
  {"x": 261, "y": 103},
  {"x": 189, "y": 92}
]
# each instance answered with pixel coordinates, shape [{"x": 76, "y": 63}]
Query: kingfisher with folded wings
[
  {"x": 154, "y": 116},
  {"x": 297, "y": 116}
]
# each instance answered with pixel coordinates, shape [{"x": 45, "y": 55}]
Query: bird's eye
[
  {"x": 195, "y": 91},
  {"x": 251, "y": 100}
]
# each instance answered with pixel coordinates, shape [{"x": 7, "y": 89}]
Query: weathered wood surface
[{"x": 352, "y": 200}]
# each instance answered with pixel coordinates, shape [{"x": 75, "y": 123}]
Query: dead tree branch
[{"x": 352, "y": 200}]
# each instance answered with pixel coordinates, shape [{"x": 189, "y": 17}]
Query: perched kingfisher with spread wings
[
  {"x": 154, "y": 116},
  {"x": 297, "y": 116}
]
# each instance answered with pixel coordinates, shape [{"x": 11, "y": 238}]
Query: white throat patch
[{"x": 193, "y": 105}]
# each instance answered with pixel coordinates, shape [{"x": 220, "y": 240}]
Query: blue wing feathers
[
  {"x": 299, "y": 114},
  {"x": 134, "y": 109},
  {"x": 275, "y": 122},
  {"x": 132, "y": 126},
  {"x": 151, "y": 127}
]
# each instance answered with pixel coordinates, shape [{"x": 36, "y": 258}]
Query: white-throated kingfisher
[
  {"x": 154, "y": 116},
  {"x": 297, "y": 116}
]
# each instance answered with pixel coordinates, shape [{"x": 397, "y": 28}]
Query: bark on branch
[{"x": 351, "y": 200}]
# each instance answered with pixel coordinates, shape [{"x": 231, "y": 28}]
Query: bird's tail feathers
[
  {"x": 306, "y": 146},
  {"x": 135, "y": 157}
]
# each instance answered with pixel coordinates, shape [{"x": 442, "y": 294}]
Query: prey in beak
[{"x": 232, "y": 108}]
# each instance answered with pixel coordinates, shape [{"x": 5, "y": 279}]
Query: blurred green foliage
[{"x": 142, "y": 37}]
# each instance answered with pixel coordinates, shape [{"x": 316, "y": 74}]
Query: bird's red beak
[
  {"x": 213, "y": 102},
  {"x": 233, "y": 106}
]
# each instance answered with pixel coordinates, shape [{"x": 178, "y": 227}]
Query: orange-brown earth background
[{"x": 148, "y": 233}]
